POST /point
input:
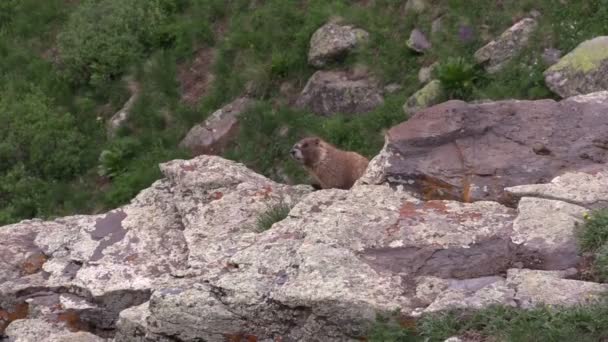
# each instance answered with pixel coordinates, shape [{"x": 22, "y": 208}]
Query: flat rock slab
[
  {"x": 471, "y": 152},
  {"x": 333, "y": 92},
  {"x": 584, "y": 70}
]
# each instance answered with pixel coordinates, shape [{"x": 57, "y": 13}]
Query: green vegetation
[
  {"x": 593, "y": 238},
  {"x": 272, "y": 215},
  {"x": 502, "y": 324},
  {"x": 458, "y": 78},
  {"x": 64, "y": 67}
]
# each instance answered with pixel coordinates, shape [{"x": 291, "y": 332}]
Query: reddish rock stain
[
  {"x": 6, "y": 317},
  {"x": 33, "y": 263}
]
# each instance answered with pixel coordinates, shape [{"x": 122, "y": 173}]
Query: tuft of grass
[
  {"x": 273, "y": 214},
  {"x": 458, "y": 77},
  {"x": 594, "y": 234},
  {"x": 501, "y": 323}
]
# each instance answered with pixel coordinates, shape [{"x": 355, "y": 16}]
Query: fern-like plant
[{"x": 458, "y": 77}]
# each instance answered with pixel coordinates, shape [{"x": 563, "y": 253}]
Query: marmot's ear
[{"x": 317, "y": 141}]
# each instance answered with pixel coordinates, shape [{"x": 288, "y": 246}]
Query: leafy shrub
[
  {"x": 458, "y": 78},
  {"x": 103, "y": 37},
  {"x": 595, "y": 231},
  {"x": 40, "y": 137},
  {"x": 386, "y": 329},
  {"x": 272, "y": 215},
  {"x": 113, "y": 160}
]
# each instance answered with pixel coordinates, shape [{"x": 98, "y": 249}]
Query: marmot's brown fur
[{"x": 327, "y": 164}]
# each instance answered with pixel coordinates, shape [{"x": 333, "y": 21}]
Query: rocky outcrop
[
  {"x": 582, "y": 71},
  {"x": 429, "y": 95},
  {"x": 333, "y": 41},
  {"x": 331, "y": 92},
  {"x": 472, "y": 152},
  {"x": 78, "y": 273},
  {"x": 496, "y": 54},
  {"x": 218, "y": 131},
  {"x": 184, "y": 262}
]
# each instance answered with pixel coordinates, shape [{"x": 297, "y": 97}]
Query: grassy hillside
[{"x": 65, "y": 68}]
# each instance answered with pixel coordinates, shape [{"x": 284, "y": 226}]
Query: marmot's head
[{"x": 306, "y": 151}]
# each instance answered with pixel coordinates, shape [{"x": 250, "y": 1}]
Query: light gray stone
[
  {"x": 585, "y": 188},
  {"x": 332, "y": 41},
  {"x": 584, "y": 70},
  {"x": 418, "y": 41},
  {"x": 429, "y": 95},
  {"x": 496, "y": 54},
  {"x": 331, "y": 92}
]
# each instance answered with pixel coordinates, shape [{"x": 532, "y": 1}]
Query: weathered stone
[
  {"x": 535, "y": 288},
  {"x": 431, "y": 94},
  {"x": 499, "y": 52},
  {"x": 426, "y": 73},
  {"x": 218, "y": 131},
  {"x": 522, "y": 288},
  {"x": 184, "y": 260},
  {"x": 332, "y": 41},
  {"x": 548, "y": 227},
  {"x": 119, "y": 119},
  {"x": 132, "y": 325},
  {"x": 392, "y": 88},
  {"x": 418, "y": 41},
  {"x": 472, "y": 152},
  {"x": 415, "y": 6},
  {"x": 331, "y": 92},
  {"x": 114, "y": 261},
  {"x": 551, "y": 56},
  {"x": 587, "y": 188},
  {"x": 582, "y": 71},
  {"x": 31, "y": 330}
]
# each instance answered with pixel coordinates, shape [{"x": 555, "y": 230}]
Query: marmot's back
[{"x": 339, "y": 169}]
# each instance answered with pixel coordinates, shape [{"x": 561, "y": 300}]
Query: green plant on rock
[
  {"x": 593, "y": 238},
  {"x": 458, "y": 77},
  {"x": 113, "y": 161},
  {"x": 595, "y": 231},
  {"x": 273, "y": 214}
]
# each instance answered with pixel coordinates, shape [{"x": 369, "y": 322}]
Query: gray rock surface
[
  {"x": 418, "y": 41},
  {"x": 330, "y": 92},
  {"x": 472, "y": 152},
  {"x": 184, "y": 261},
  {"x": 333, "y": 41},
  {"x": 584, "y": 70},
  {"x": 217, "y": 132},
  {"x": 496, "y": 54}
]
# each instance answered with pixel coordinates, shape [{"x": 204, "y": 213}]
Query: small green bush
[
  {"x": 386, "y": 329},
  {"x": 104, "y": 37},
  {"x": 113, "y": 160},
  {"x": 601, "y": 263},
  {"x": 272, "y": 215},
  {"x": 458, "y": 77},
  {"x": 595, "y": 231}
]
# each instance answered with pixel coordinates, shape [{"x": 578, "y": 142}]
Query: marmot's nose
[{"x": 293, "y": 151}]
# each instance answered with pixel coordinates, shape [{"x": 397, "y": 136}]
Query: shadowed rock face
[{"x": 471, "y": 152}]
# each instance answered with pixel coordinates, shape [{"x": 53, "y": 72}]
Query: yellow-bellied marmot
[{"x": 327, "y": 164}]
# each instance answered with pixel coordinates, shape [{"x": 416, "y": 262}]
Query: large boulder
[
  {"x": 497, "y": 53},
  {"x": 217, "y": 132},
  {"x": 347, "y": 92},
  {"x": 471, "y": 152},
  {"x": 333, "y": 41},
  {"x": 582, "y": 71}
]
